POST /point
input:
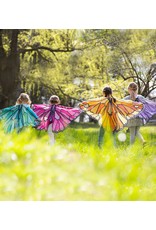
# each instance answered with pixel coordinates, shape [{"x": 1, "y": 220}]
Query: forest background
[{"x": 75, "y": 64}]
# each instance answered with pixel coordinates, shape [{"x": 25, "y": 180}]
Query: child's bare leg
[
  {"x": 139, "y": 135},
  {"x": 51, "y": 135},
  {"x": 132, "y": 134}
]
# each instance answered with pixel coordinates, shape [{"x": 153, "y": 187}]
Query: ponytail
[{"x": 114, "y": 99}]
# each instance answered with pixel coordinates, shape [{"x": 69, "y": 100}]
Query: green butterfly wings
[{"x": 18, "y": 116}]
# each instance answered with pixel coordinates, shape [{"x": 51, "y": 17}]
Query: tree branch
[
  {"x": 131, "y": 63},
  {"x": 43, "y": 57},
  {"x": 151, "y": 98},
  {"x": 49, "y": 49},
  {"x": 133, "y": 77},
  {"x": 68, "y": 95},
  {"x": 150, "y": 90}
]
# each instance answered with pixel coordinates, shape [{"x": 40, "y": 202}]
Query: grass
[{"x": 75, "y": 168}]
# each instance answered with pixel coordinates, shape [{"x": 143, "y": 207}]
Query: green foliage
[
  {"x": 95, "y": 58},
  {"x": 74, "y": 168},
  {"x": 51, "y": 60}
]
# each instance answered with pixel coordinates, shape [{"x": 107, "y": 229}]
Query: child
[
  {"x": 113, "y": 113},
  {"x": 18, "y": 116},
  {"x": 54, "y": 117},
  {"x": 143, "y": 117}
]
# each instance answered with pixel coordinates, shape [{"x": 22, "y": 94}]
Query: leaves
[{"x": 95, "y": 57}]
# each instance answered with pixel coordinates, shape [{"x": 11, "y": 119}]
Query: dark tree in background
[
  {"x": 37, "y": 49},
  {"x": 9, "y": 68}
]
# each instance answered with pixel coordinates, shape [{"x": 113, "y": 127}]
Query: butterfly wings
[
  {"x": 149, "y": 109},
  {"x": 16, "y": 117},
  {"x": 113, "y": 115},
  {"x": 126, "y": 110},
  {"x": 63, "y": 117},
  {"x": 43, "y": 112},
  {"x": 59, "y": 116}
]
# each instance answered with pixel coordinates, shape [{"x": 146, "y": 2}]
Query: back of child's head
[
  {"x": 23, "y": 99},
  {"x": 54, "y": 99},
  {"x": 107, "y": 91},
  {"x": 133, "y": 86}
]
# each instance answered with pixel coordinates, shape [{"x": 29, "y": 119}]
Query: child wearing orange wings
[{"x": 112, "y": 113}]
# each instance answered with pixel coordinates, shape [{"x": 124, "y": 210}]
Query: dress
[{"x": 18, "y": 116}]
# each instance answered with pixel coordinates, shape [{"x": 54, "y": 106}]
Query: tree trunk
[{"x": 9, "y": 71}]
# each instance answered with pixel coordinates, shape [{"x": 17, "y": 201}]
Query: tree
[
  {"x": 75, "y": 64},
  {"x": 129, "y": 55},
  {"x": 9, "y": 66},
  {"x": 14, "y": 47}
]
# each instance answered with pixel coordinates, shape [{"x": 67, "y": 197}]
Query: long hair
[
  {"x": 133, "y": 86},
  {"x": 54, "y": 99},
  {"x": 23, "y": 99},
  {"x": 108, "y": 92}
]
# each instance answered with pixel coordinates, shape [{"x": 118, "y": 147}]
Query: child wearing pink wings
[{"x": 55, "y": 117}]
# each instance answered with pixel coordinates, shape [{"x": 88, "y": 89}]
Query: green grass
[{"x": 75, "y": 168}]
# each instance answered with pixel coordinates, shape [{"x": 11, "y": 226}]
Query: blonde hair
[
  {"x": 133, "y": 86},
  {"x": 54, "y": 99},
  {"x": 23, "y": 99}
]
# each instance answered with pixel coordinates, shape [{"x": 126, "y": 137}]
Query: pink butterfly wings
[{"x": 57, "y": 115}]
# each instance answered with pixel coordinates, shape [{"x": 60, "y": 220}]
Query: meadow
[{"x": 75, "y": 169}]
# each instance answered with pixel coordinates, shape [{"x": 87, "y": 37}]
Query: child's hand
[
  {"x": 83, "y": 105},
  {"x": 37, "y": 122}
]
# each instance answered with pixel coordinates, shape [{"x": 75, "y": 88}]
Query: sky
[{"x": 82, "y": 14}]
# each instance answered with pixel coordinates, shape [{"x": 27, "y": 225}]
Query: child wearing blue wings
[{"x": 20, "y": 115}]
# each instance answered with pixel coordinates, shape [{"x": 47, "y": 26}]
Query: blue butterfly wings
[{"x": 18, "y": 116}]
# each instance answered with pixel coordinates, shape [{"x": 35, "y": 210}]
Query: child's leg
[
  {"x": 51, "y": 135},
  {"x": 139, "y": 134},
  {"x": 132, "y": 134},
  {"x": 114, "y": 138},
  {"x": 101, "y": 135}
]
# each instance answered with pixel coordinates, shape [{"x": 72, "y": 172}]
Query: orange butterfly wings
[{"x": 113, "y": 115}]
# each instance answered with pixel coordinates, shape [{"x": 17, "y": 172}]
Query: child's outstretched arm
[{"x": 33, "y": 113}]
